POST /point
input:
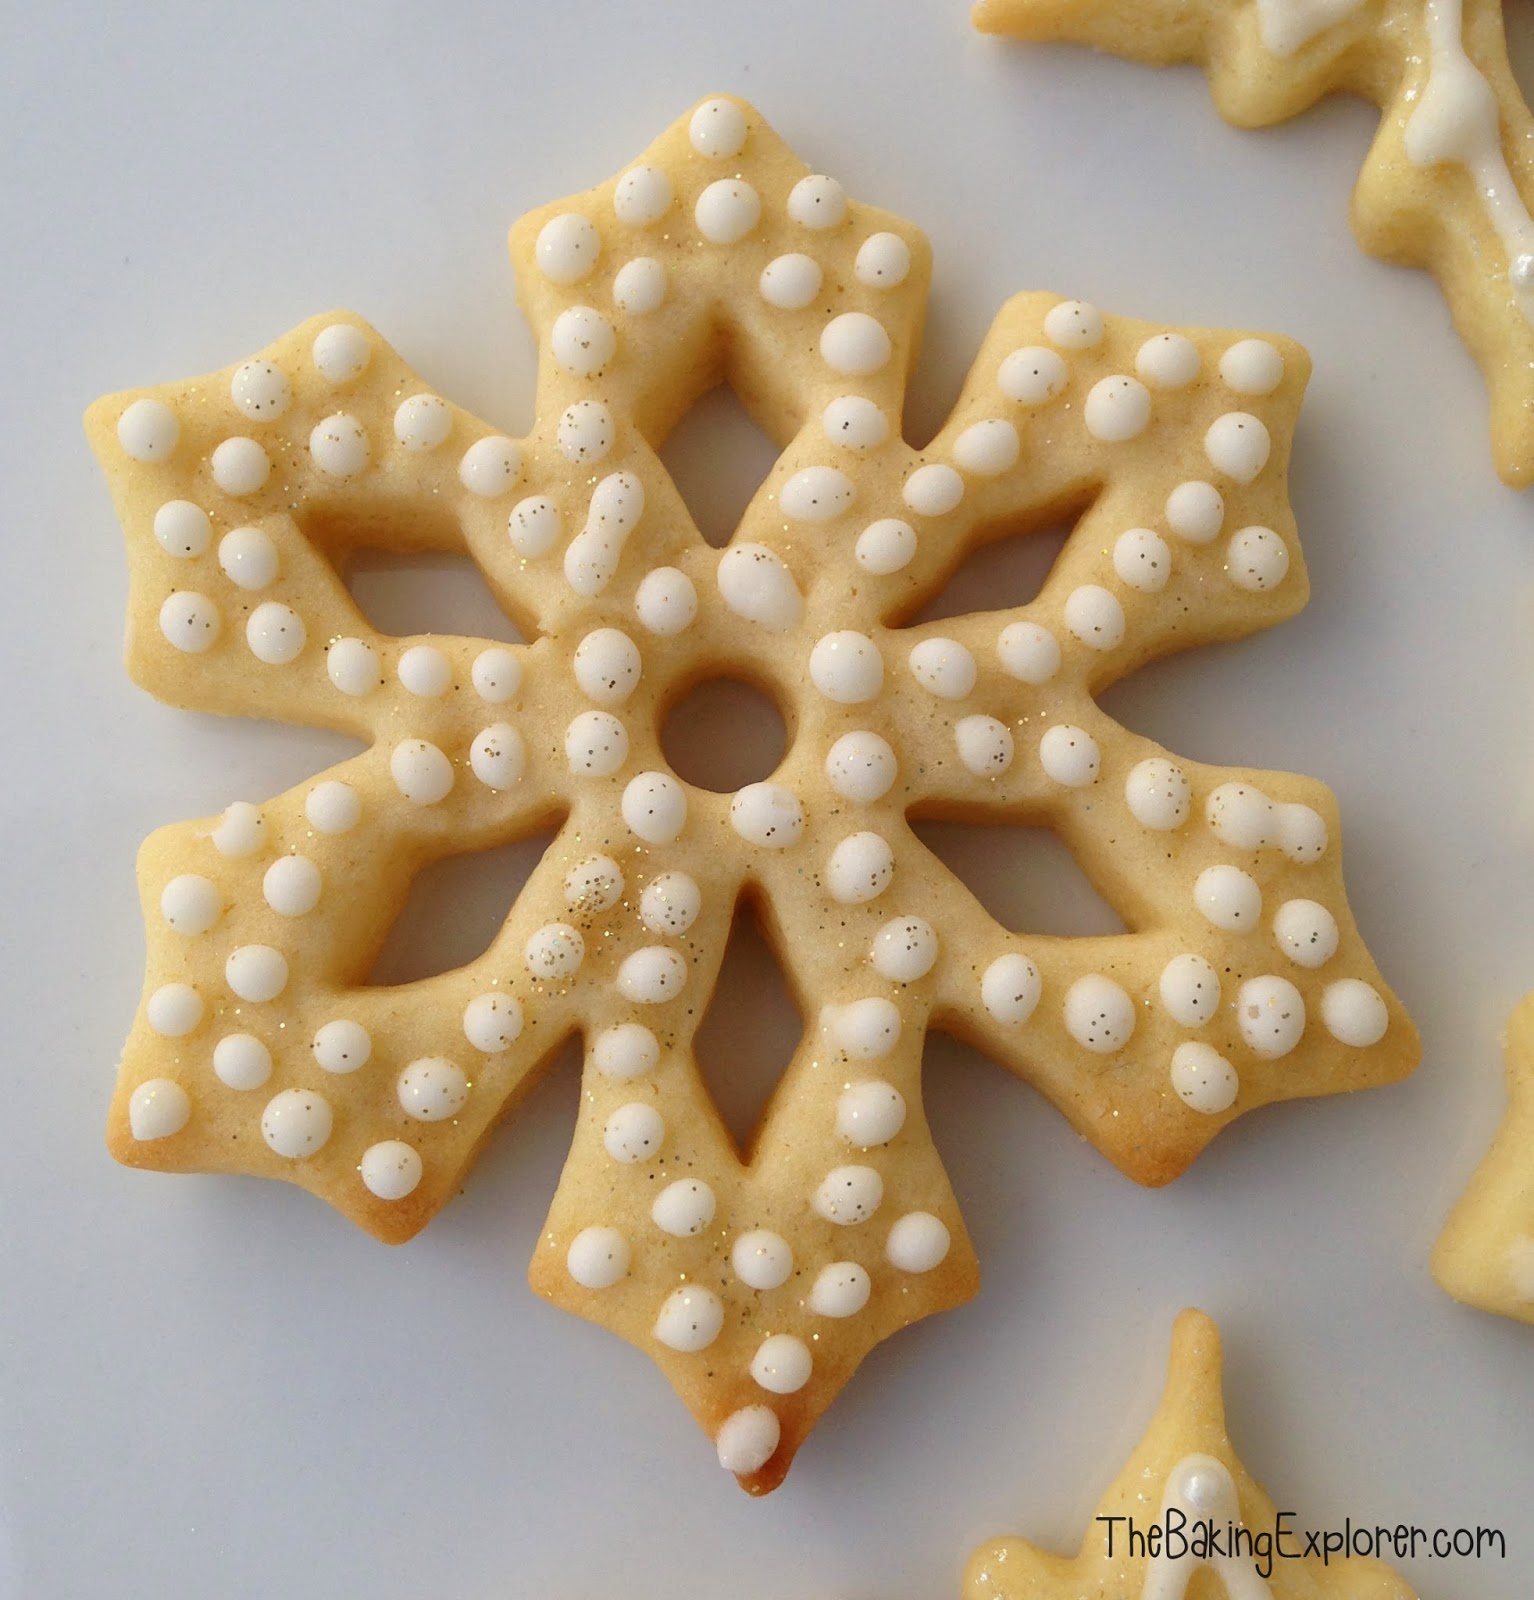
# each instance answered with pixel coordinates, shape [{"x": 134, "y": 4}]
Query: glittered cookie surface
[{"x": 757, "y": 1282}]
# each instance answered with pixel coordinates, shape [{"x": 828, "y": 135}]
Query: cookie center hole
[
  {"x": 718, "y": 458},
  {"x": 722, "y": 734}
]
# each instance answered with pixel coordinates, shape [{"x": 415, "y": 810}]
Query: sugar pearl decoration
[
  {"x": 421, "y": 772},
  {"x": 390, "y": 1170},
  {"x": 1032, "y": 376},
  {"x": 652, "y": 976},
  {"x": 1228, "y": 897},
  {"x": 585, "y": 432},
  {"x": 943, "y": 667},
  {"x": 1237, "y": 444},
  {"x": 762, "y": 1259},
  {"x": 432, "y": 1089},
  {"x": 490, "y": 466},
  {"x": 987, "y": 448},
  {"x": 182, "y": 529},
  {"x": 342, "y": 1046},
  {"x": 747, "y": 1439},
  {"x": 554, "y": 951},
  {"x": 1143, "y": 560},
  {"x": 718, "y": 129},
  {"x": 498, "y": 757},
  {"x": 241, "y": 1061},
  {"x": 863, "y": 1030},
  {"x": 191, "y": 904},
  {"x": 1010, "y": 988},
  {"x": 333, "y": 807},
  {"x": 1195, "y": 511},
  {"x": 275, "y": 633},
  {"x": 174, "y": 1010},
  {"x": 1306, "y": 932},
  {"x": 790, "y": 282},
  {"x": 870, "y": 1113},
  {"x": 849, "y": 1195},
  {"x": 256, "y": 972},
  {"x": 1074, "y": 325},
  {"x": 782, "y": 1364},
  {"x": 583, "y": 341},
  {"x": 640, "y": 286},
  {"x": 534, "y": 526},
  {"x": 1354, "y": 1013},
  {"x": 917, "y": 1242},
  {"x": 670, "y": 903},
  {"x": 422, "y": 422},
  {"x": 240, "y": 466},
  {"x": 1168, "y": 361},
  {"x": 854, "y": 344},
  {"x": 1099, "y": 1015},
  {"x": 1028, "y": 652},
  {"x": 883, "y": 261},
  {"x": 654, "y": 806},
  {"x": 846, "y": 667},
  {"x": 1070, "y": 755},
  {"x": 1158, "y": 794},
  {"x": 984, "y": 744},
  {"x": 352, "y": 666},
  {"x": 840, "y": 1290},
  {"x": 627, "y": 1050},
  {"x": 241, "y": 830},
  {"x": 1117, "y": 409},
  {"x": 596, "y": 744},
  {"x": 148, "y": 430},
  {"x": 904, "y": 950},
  {"x": 492, "y": 1022},
  {"x": 292, "y": 886},
  {"x": 1270, "y": 1013},
  {"x": 158, "y": 1109},
  {"x": 885, "y": 546},
  {"x": 684, "y": 1208},
  {"x": 248, "y": 558},
  {"x": 1205, "y": 1081},
  {"x": 859, "y": 868},
  {"x": 296, "y": 1123},
  {"x": 496, "y": 675},
  {"x": 727, "y": 211},
  {"x": 634, "y": 1133},
  {"x": 425, "y": 671},
  {"x": 598, "y": 1258},
  {"x": 642, "y": 196},
  {"x": 1256, "y": 559},
  {"x": 1095, "y": 617},
  {"x": 933, "y": 490},
  {"x": 768, "y": 815},
  {"x": 568, "y": 248},
  {"x": 1252, "y": 366},
  {"x": 861, "y": 767},
  {"x": 818, "y": 203},
  {"x": 341, "y": 353},
  {"x": 817, "y": 494},
  {"x": 855, "y": 423},
  {"x": 666, "y": 602}
]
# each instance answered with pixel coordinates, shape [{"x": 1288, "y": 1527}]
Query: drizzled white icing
[
  {"x": 1288, "y": 25},
  {"x": 1203, "y": 1491}
]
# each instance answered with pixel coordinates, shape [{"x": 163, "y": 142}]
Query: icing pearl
[
  {"x": 864, "y": 1030},
  {"x": 859, "y": 869},
  {"x": 352, "y": 666},
  {"x": 670, "y": 903},
  {"x": 390, "y": 1170},
  {"x": 1070, "y": 755},
  {"x": 1143, "y": 560},
  {"x": 492, "y": 1023},
  {"x": 148, "y": 430},
  {"x": 191, "y": 904},
  {"x": 854, "y": 344},
  {"x": 596, "y": 744},
  {"x": 333, "y": 807},
  {"x": 568, "y": 248},
  {"x": 642, "y": 196},
  {"x": 275, "y": 633},
  {"x": 1158, "y": 794},
  {"x": 534, "y": 526},
  {"x": 1169, "y": 361},
  {"x": 727, "y": 211},
  {"x": 628, "y": 1050},
  {"x": 849, "y": 1195},
  {"x": 684, "y": 1208},
  {"x": 182, "y": 529},
  {"x": 665, "y": 601},
  {"x": 157, "y": 1109},
  {"x": 817, "y": 494},
  {"x": 846, "y": 667},
  {"x": 985, "y": 745},
  {"x": 1203, "y": 1078},
  {"x": 583, "y": 341},
  {"x": 241, "y": 830},
  {"x": 904, "y": 950},
  {"x": 555, "y": 950},
  {"x": 782, "y": 1364},
  {"x": 342, "y": 1046},
  {"x": 1271, "y": 1016},
  {"x": 240, "y": 466},
  {"x": 248, "y": 558},
  {"x": 1354, "y": 1013},
  {"x": 432, "y": 1089},
  {"x": 496, "y": 675},
  {"x": 1237, "y": 444},
  {"x": 421, "y": 772},
  {"x": 861, "y": 767},
  {"x": 1241, "y": 816},
  {"x": 1028, "y": 652},
  {"x": 987, "y": 448},
  {"x": 585, "y": 432},
  {"x": 241, "y": 1061},
  {"x": 598, "y": 1258},
  {"x": 1228, "y": 897},
  {"x": 1099, "y": 1015},
  {"x": 840, "y": 1290},
  {"x": 291, "y": 886},
  {"x": 490, "y": 466},
  {"x": 1074, "y": 325},
  {"x": 256, "y": 972},
  {"x": 756, "y": 585},
  {"x": 594, "y": 885},
  {"x": 1190, "y": 990},
  {"x": 762, "y": 1259},
  {"x": 1256, "y": 559},
  {"x": 422, "y": 422},
  {"x": 339, "y": 446},
  {"x": 932, "y": 490},
  {"x": 640, "y": 286},
  {"x": 655, "y": 807},
  {"x": 1195, "y": 511},
  {"x": 341, "y": 353},
  {"x": 943, "y": 667},
  {"x": 1301, "y": 833},
  {"x": 1117, "y": 409},
  {"x": 1010, "y": 989},
  {"x": 790, "y": 282},
  {"x": 652, "y": 976},
  {"x": 718, "y": 129},
  {"x": 883, "y": 261},
  {"x": 173, "y": 1010},
  {"x": 855, "y": 423},
  {"x": 747, "y": 1439},
  {"x": 425, "y": 671},
  {"x": 870, "y": 1113},
  {"x": 818, "y": 203},
  {"x": 1095, "y": 617},
  {"x": 1306, "y": 932},
  {"x": 1252, "y": 366},
  {"x": 190, "y": 621},
  {"x": 296, "y": 1123},
  {"x": 918, "y": 1242},
  {"x": 1032, "y": 375},
  {"x": 768, "y": 815},
  {"x": 634, "y": 1132},
  {"x": 885, "y": 546},
  {"x": 498, "y": 756}
]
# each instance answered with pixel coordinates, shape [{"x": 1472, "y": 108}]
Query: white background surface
[{"x": 214, "y": 1387}]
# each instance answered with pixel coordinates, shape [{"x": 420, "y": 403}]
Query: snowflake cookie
[
  {"x": 1449, "y": 182},
  {"x": 757, "y": 1284},
  {"x": 1184, "y": 1475}
]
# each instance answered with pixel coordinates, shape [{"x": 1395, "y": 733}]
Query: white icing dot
[
  {"x": 1306, "y": 932},
  {"x": 932, "y": 490},
  {"x": 755, "y": 584},
  {"x": 256, "y": 972},
  {"x": 182, "y": 529},
  {"x": 861, "y": 767},
  {"x": 275, "y": 633},
  {"x": 534, "y": 526},
  {"x": 173, "y": 1010},
  {"x": 655, "y": 807},
  {"x": 1228, "y": 897},
  {"x": 1237, "y": 444},
  {"x": 1117, "y": 409},
  {"x": 1256, "y": 559},
  {"x": 596, "y": 744},
  {"x": 1099, "y": 1015},
  {"x": 747, "y": 1439},
  {"x": 634, "y": 1132},
  {"x": 1095, "y": 617},
  {"x": 782, "y": 1364},
  {"x": 854, "y": 344},
  {"x": 492, "y": 1022},
  {"x": 1070, "y": 755},
  {"x": 432, "y": 1089},
  {"x": 421, "y": 772},
  {"x": 665, "y": 601},
  {"x": 496, "y": 675},
  {"x": 840, "y": 1290},
  {"x": 846, "y": 667},
  {"x": 594, "y": 885},
  {"x": 790, "y": 282},
  {"x": 190, "y": 621},
  {"x": 148, "y": 430},
  {"x": 768, "y": 815},
  {"x": 943, "y": 667},
  {"x": 1158, "y": 794},
  {"x": 918, "y": 1242},
  {"x": 1010, "y": 989},
  {"x": 490, "y": 466},
  {"x": 248, "y": 558},
  {"x": 628, "y": 1050},
  {"x": 425, "y": 671},
  {"x": 1241, "y": 816},
  {"x": 1190, "y": 990},
  {"x": 1271, "y": 1016},
  {"x": 985, "y": 745},
  {"x": 568, "y": 248},
  {"x": 762, "y": 1259},
  {"x": 240, "y": 831},
  {"x": 883, "y": 261},
  {"x": 818, "y": 203},
  {"x": 339, "y": 446},
  {"x": 1032, "y": 375},
  {"x": 987, "y": 448},
  {"x": 240, "y": 466},
  {"x": 260, "y": 390},
  {"x": 727, "y": 211},
  {"x": 643, "y": 196},
  {"x": 333, "y": 806},
  {"x": 390, "y": 1169},
  {"x": 652, "y": 976},
  {"x": 157, "y": 1109},
  {"x": 1169, "y": 361},
  {"x": 1301, "y": 833},
  {"x": 854, "y": 422},
  {"x": 353, "y": 666},
  {"x": 585, "y": 432},
  {"x": 870, "y": 1113},
  {"x": 598, "y": 1258},
  {"x": 864, "y": 1030},
  {"x": 684, "y": 1208},
  {"x": 849, "y": 1195},
  {"x": 1203, "y": 1078},
  {"x": 1143, "y": 560},
  {"x": 859, "y": 869},
  {"x": 341, "y": 352},
  {"x": 1252, "y": 366},
  {"x": 583, "y": 341},
  {"x": 1028, "y": 652},
  {"x": 640, "y": 286},
  {"x": 885, "y": 546},
  {"x": 817, "y": 494},
  {"x": 1074, "y": 325},
  {"x": 191, "y": 904},
  {"x": 1354, "y": 1013},
  {"x": 342, "y": 1046},
  {"x": 718, "y": 129},
  {"x": 291, "y": 886},
  {"x": 555, "y": 950},
  {"x": 904, "y": 949},
  {"x": 296, "y": 1123},
  {"x": 241, "y": 1061},
  {"x": 670, "y": 903},
  {"x": 1195, "y": 511}
]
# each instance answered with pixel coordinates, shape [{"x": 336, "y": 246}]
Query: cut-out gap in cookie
[
  {"x": 718, "y": 458},
  {"x": 1008, "y": 570},
  {"x": 455, "y": 909},
  {"x": 436, "y": 592},
  {"x": 1025, "y": 878},
  {"x": 751, "y": 1028},
  {"x": 722, "y": 734}
]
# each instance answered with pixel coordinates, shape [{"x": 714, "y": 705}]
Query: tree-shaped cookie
[
  {"x": 1185, "y": 1479},
  {"x": 757, "y": 1280},
  {"x": 1449, "y": 181}
]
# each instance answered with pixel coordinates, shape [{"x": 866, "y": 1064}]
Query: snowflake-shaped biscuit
[
  {"x": 758, "y": 1284},
  {"x": 1449, "y": 182}
]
